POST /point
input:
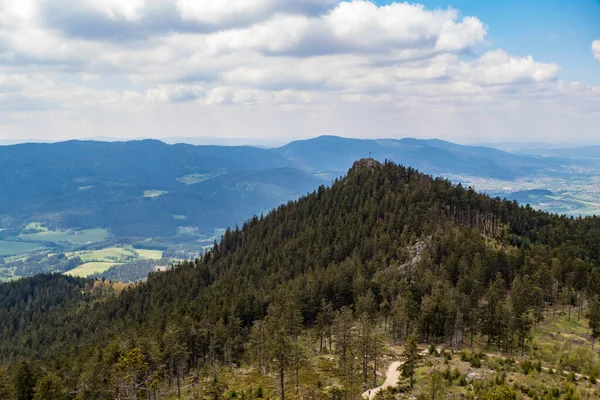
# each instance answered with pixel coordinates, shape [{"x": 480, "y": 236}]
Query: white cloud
[
  {"x": 130, "y": 10},
  {"x": 357, "y": 26},
  {"x": 175, "y": 93},
  {"x": 240, "y": 12},
  {"x": 596, "y": 49},
  {"x": 499, "y": 68},
  {"x": 269, "y": 68}
]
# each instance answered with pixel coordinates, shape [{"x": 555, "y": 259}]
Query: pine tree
[
  {"x": 132, "y": 375},
  {"x": 6, "y": 385},
  {"x": 346, "y": 350},
  {"x": 594, "y": 316},
  {"x": 410, "y": 359},
  {"x": 283, "y": 324},
  {"x": 48, "y": 388},
  {"x": 435, "y": 386},
  {"x": 25, "y": 381}
]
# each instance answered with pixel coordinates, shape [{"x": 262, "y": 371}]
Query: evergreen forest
[{"x": 464, "y": 295}]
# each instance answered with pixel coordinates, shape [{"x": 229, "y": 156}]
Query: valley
[
  {"x": 576, "y": 194},
  {"x": 105, "y": 202}
]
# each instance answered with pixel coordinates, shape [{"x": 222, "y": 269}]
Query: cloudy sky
[{"x": 277, "y": 70}]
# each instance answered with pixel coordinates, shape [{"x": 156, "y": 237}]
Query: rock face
[
  {"x": 415, "y": 257},
  {"x": 365, "y": 163},
  {"x": 473, "y": 376}
]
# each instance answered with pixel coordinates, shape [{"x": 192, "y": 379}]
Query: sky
[{"x": 468, "y": 71}]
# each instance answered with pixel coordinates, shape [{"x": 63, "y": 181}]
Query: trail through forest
[{"x": 391, "y": 379}]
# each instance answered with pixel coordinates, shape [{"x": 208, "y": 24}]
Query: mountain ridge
[{"x": 88, "y": 184}]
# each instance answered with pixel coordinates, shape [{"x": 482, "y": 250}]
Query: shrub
[
  {"x": 526, "y": 367},
  {"x": 432, "y": 349}
]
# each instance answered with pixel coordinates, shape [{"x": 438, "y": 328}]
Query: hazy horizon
[{"x": 270, "y": 143}]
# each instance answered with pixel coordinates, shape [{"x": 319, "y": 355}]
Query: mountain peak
[{"x": 365, "y": 163}]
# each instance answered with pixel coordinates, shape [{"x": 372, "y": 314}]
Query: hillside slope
[{"x": 438, "y": 261}]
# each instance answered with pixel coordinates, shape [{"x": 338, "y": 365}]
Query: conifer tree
[
  {"x": 346, "y": 350},
  {"x": 25, "y": 381},
  {"x": 283, "y": 325},
  {"x": 594, "y": 316},
  {"x": 410, "y": 358}
]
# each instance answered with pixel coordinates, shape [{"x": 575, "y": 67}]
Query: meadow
[
  {"x": 149, "y": 254},
  {"x": 74, "y": 237},
  {"x": 16, "y": 248},
  {"x": 91, "y": 268},
  {"x": 96, "y": 261}
]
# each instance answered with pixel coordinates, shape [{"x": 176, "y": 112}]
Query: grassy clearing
[
  {"x": 111, "y": 254},
  {"x": 88, "y": 236},
  {"x": 149, "y": 254},
  {"x": 15, "y": 248},
  {"x": 36, "y": 226},
  {"x": 91, "y": 268},
  {"x": 98, "y": 261},
  {"x": 116, "y": 254},
  {"x": 74, "y": 237}
]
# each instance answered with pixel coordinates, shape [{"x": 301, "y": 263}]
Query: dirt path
[{"x": 391, "y": 379}]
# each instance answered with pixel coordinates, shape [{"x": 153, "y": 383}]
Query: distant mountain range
[
  {"x": 148, "y": 188},
  {"x": 330, "y": 153}
]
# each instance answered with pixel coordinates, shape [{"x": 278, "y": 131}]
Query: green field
[
  {"x": 91, "y": 268},
  {"x": 15, "y": 248},
  {"x": 36, "y": 226},
  {"x": 115, "y": 254},
  {"x": 149, "y": 254},
  {"x": 111, "y": 254},
  {"x": 101, "y": 260},
  {"x": 74, "y": 237}
]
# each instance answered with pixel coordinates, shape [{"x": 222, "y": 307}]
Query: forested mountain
[
  {"x": 386, "y": 246},
  {"x": 431, "y": 156},
  {"x": 117, "y": 185}
]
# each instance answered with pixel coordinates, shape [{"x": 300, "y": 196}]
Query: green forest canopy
[{"x": 438, "y": 261}]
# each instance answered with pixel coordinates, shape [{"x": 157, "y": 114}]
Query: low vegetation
[{"x": 90, "y": 268}]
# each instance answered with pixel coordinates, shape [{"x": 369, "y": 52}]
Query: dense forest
[{"x": 386, "y": 254}]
